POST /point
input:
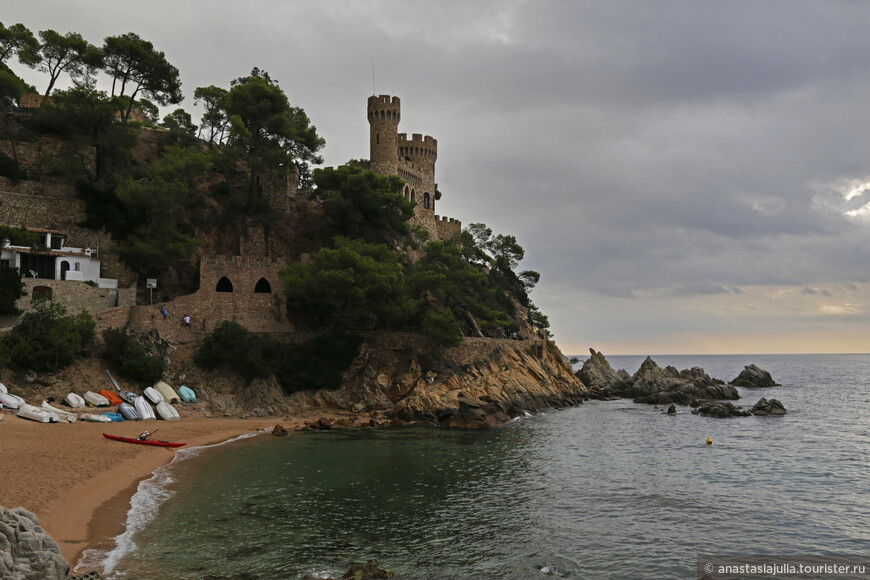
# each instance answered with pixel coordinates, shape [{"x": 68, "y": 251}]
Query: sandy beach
[{"x": 79, "y": 483}]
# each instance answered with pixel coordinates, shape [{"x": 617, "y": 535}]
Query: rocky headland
[{"x": 398, "y": 380}]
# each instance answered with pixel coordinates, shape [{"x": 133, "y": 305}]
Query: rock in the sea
[
  {"x": 768, "y": 407},
  {"x": 599, "y": 376},
  {"x": 752, "y": 376},
  {"x": 371, "y": 570},
  {"x": 672, "y": 410},
  {"x": 719, "y": 409},
  {"x": 279, "y": 431},
  {"x": 662, "y": 386},
  {"x": 27, "y": 552}
]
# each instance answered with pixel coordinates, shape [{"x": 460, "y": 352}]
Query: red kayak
[{"x": 146, "y": 442}]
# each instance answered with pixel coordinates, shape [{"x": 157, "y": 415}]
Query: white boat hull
[
  {"x": 153, "y": 395},
  {"x": 95, "y": 418},
  {"x": 74, "y": 401},
  {"x": 96, "y": 399},
  {"x": 143, "y": 407},
  {"x": 64, "y": 416},
  {"x": 11, "y": 401},
  {"x": 167, "y": 412},
  {"x": 37, "y": 414}
]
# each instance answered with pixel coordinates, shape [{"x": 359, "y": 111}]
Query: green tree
[
  {"x": 231, "y": 345},
  {"x": 17, "y": 39},
  {"x": 86, "y": 117},
  {"x": 180, "y": 126},
  {"x": 11, "y": 289},
  {"x": 46, "y": 339},
  {"x": 136, "y": 67},
  {"x": 355, "y": 285},
  {"x": 58, "y": 53},
  {"x": 463, "y": 289},
  {"x": 269, "y": 133},
  {"x": 11, "y": 88},
  {"x": 364, "y": 205},
  {"x": 129, "y": 357},
  {"x": 164, "y": 234},
  {"x": 214, "y": 118}
]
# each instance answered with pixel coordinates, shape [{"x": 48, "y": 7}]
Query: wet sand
[{"x": 79, "y": 483}]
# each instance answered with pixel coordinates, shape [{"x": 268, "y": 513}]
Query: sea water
[{"x": 602, "y": 490}]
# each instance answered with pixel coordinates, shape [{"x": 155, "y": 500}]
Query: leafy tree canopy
[
  {"x": 58, "y": 53},
  {"x": 214, "y": 117},
  {"x": 364, "y": 205},
  {"x": 129, "y": 357},
  {"x": 180, "y": 126},
  {"x": 11, "y": 87},
  {"x": 17, "y": 39},
  {"x": 46, "y": 339},
  {"x": 269, "y": 132},
  {"x": 463, "y": 289},
  {"x": 355, "y": 285},
  {"x": 136, "y": 67}
]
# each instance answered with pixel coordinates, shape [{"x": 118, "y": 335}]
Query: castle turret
[
  {"x": 419, "y": 150},
  {"x": 384, "y": 113}
]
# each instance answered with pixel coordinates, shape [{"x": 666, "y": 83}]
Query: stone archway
[{"x": 224, "y": 285}]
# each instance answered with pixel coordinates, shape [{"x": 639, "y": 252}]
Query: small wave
[{"x": 150, "y": 495}]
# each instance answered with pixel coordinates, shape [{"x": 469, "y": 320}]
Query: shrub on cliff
[
  {"x": 318, "y": 363},
  {"x": 130, "y": 358},
  {"x": 47, "y": 339}
]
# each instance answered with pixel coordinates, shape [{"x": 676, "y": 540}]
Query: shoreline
[{"x": 80, "y": 484}]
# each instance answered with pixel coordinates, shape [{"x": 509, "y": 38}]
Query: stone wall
[
  {"x": 39, "y": 211},
  {"x": 75, "y": 296}
]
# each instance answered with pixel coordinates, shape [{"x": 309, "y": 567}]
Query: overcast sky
[{"x": 688, "y": 177}]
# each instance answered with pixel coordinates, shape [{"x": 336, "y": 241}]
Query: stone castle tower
[{"x": 393, "y": 153}]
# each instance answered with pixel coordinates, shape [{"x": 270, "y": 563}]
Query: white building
[{"x": 59, "y": 262}]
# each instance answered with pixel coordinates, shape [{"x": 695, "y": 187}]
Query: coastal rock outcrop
[
  {"x": 652, "y": 384},
  {"x": 602, "y": 381},
  {"x": 719, "y": 409},
  {"x": 402, "y": 379},
  {"x": 768, "y": 407},
  {"x": 27, "y": 552},
  {"x": 752, "y": 376}
]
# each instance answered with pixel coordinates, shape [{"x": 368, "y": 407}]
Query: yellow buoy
[{"x": 709, "y": 440}]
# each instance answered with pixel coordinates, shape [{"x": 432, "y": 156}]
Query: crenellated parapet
[{"x": 418, "y": 149}]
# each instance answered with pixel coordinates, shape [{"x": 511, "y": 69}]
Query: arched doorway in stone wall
[
  {"x": 224, "y": 285},
  {"x": 263, "y": 287}
]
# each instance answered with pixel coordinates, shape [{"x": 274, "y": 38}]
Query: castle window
[
  {"x": 426, "y": 200},
  {"x": 224, "y": 285},
  {"x": 378, "y": 139},
  {"x": 263, "y": 287},
  {"x": 413, "y": 195}
]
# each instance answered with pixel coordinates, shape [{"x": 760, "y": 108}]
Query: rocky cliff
[{"x": 397, "y": 378}]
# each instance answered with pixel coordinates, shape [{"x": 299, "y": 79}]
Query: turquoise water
[{"x": 602, "y": 490}]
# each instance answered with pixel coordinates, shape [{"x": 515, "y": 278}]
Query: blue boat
[
  {"x": 115, "y": 417},
  {"x": 187, "y": 395}
]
